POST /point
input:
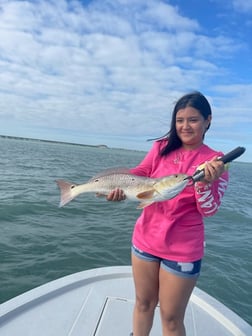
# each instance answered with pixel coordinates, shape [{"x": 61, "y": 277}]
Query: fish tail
[{"x": 66, "y": 192}]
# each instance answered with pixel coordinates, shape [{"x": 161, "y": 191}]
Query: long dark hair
[{"x": 194, "y": 99}]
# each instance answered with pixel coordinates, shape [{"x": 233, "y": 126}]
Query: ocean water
[{"x": 41, "y": 242}]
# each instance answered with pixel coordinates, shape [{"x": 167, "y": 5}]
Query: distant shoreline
[
  {"x": 65, "y": 143},
  {"x": 52, "y": 141}
]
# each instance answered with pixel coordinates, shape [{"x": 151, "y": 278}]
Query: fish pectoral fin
[{"x": 148, "y": 194}]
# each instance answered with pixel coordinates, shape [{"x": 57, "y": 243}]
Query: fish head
[{"x": 170, "y": 186}]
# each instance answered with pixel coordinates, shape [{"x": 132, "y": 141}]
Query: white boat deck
[{"x": 100, "y": 302}]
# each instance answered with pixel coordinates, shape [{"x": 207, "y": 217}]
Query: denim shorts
[{"x": 181, "y": 269}]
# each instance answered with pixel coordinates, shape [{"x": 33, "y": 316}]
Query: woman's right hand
[{"x": 116, "y": 195}]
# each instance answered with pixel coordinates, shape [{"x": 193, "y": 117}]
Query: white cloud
[{"x": 167, "y": 17}]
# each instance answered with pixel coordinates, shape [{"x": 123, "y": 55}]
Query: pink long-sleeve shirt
[{"x": 174, "y": 229}]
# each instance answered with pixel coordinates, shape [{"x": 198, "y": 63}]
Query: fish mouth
[{"x": 190, "y": 180}]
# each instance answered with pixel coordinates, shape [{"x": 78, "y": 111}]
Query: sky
[{"x": 110, "y": 71}]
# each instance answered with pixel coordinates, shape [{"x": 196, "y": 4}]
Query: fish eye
[{"x": 72, "y": 186}]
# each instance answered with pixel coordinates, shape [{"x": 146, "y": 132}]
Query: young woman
[{"x": 168, "y": 238}]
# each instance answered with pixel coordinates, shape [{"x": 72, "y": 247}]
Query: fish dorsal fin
[
  {"x": 110, "y": 171},
  {"x": 146, "y": 194}
]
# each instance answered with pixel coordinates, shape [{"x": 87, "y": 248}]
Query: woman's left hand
[{"x": 213, "y": 170}]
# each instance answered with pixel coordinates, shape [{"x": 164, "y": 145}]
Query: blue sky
[{"x": 110, "y": 71}]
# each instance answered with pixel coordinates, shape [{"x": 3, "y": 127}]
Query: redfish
[{"x": 136, "y": 188}]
